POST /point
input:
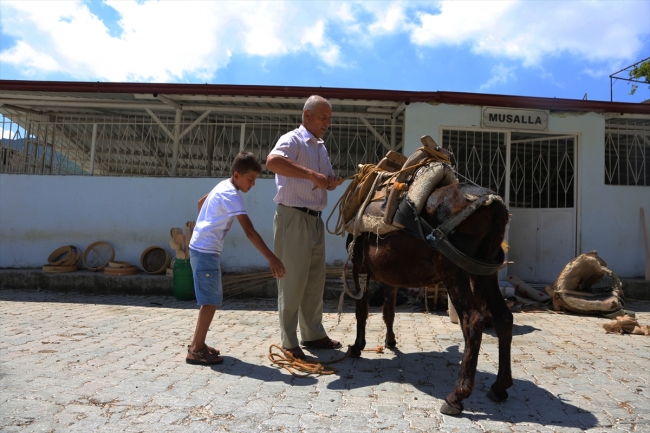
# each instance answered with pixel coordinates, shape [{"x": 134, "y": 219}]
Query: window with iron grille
[
  {"x": 138, "y": 146},
  {"x": 627, "y": 152},
  {"x": 479, "y": 156},
  {"x": 542, "y": 171}
]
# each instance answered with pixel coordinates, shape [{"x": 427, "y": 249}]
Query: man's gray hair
[{"x": 312, "y": 102}]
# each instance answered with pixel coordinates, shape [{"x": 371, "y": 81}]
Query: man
[{"x": 303, "y": 173}]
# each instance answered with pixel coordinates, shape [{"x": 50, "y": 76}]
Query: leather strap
[
  {"x": 406, "y": 215},
  {"x": 308, "y": 211}
]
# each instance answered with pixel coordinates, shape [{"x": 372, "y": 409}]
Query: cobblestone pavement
[{"x": 81, "y": 363}]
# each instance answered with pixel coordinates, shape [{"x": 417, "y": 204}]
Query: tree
[{"x": 640, "y": 71}]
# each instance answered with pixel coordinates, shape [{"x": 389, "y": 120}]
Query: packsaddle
[{"x": 372, "y": 198}]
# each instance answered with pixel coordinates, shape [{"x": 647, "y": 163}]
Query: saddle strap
[
  {"x": 407, "y": 216},
  {"x": 461, "y": 216}
]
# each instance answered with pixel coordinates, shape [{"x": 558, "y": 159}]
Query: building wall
[
  {"x": 41, "y": 213},
  {"x": 608, "y": 216}
]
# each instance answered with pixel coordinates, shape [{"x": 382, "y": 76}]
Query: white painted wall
[
  {"x": 608, "y": 216},
  {"x": 41, "y": 213}
]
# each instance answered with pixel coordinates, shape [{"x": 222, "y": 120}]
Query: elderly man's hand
[
  {"x": 319, "y": 180},
  {"x": 334, "y": 181}
]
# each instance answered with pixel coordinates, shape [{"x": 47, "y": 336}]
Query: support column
[
  {"x": 242, "y": 137},
  {"x": 41, "y": 168},
  {"x": 393, "y": 133},
  {"x": 210, "y": 150},
  {"x": 177, "y": 133},
  {"x": 93, "y": 147},
  {"x": 26, "y": 142}
]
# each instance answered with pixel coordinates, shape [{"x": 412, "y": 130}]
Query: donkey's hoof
[
  {"x": 448, "y": 409},
  {"x": 391, "y": 343},
  {"x": 497, "y": 396},
  {"x": 355, "y": 352}
]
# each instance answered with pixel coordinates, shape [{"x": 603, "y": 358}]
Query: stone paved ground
[{"x": 80, "y": 363}]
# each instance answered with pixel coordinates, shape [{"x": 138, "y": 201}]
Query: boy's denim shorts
[{"x": 206, "y": 270}]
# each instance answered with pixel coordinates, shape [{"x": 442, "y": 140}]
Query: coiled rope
[{"x": 302, "y": 367}]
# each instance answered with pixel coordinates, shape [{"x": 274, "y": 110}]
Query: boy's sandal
[
  {"x": 209, "y": 349},
  {"x": 207, "y": 356},
  {"x": 212, "y": 349},
  {"x": 322, "y": 343}
]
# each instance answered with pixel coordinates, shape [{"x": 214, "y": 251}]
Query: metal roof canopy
[
  {"x": 30, "y": 94},
  {"x": 184, "y": 106}
]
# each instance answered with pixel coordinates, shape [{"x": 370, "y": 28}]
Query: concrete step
[{"x": 85, "y": 281}]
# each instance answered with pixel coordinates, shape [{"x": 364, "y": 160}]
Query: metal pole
[
  {"x": 393, "y": 133},
  {"x": 44, "y": 148},
  {"x": 49, "y": 163},
  {"x": 208, "y": 159},
  {"x": 93, "y": 146},
  {"x": 177, "y": 132},
  {"x": 242, "y": 137},
  {"x": 26, "y": 142},
  {"x": 504, "y": 272}
]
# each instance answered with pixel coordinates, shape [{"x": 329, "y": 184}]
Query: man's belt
[{"x": 308, "y": 211}]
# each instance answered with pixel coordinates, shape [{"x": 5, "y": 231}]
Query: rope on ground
[{"x": 304, "y": 368}]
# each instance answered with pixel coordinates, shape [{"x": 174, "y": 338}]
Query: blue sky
[{"x": 564, "y": 49}]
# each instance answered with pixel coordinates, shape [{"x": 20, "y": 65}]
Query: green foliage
[{"x": 640, "y": 71}]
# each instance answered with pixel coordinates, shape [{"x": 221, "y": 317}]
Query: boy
[{"x": 217, "y": 211}]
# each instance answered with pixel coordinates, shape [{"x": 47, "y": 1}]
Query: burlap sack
[
  {"x": 626, "y": 325},
  {"x": 587, "y": 286}
]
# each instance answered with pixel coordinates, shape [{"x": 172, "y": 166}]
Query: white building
[{"x": 125, "y": 162}]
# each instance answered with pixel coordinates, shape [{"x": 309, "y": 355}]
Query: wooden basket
[
  {"x": 60, "y": 255},
  {"x": 97, "y": 256}
]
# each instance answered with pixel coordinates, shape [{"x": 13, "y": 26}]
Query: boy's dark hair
[{"x": 245, "y": 162}]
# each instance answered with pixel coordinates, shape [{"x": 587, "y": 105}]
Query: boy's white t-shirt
[{"x": 216, "y": 217}]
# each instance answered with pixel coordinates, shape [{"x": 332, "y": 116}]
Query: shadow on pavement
[
  {"x": 236, "y": 367},
  {"x": 435, "y": 374},
  {"x": 516, "y": 330}
]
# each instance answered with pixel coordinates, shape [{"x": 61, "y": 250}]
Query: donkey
[{"x": 399, "y": 259}]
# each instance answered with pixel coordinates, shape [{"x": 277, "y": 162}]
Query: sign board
[{"x": 493, "y": 117}]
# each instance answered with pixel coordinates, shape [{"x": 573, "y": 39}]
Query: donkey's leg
[
  {"x": 388, "y": 311},
  {"x": 472, "y": 324},
  {"x": 361, "y": 312},
  {"x": 502, "y": 320}
]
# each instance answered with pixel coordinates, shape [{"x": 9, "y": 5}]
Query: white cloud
[
  {"x": 24, "y": 55},
  {"x": 530, "y": 31},
  {"x": 500, "y": 75},
  {"x": 162, "y": 40},
  {"x": 388, "y": 20},
  {"x": 173, "y": 40}
]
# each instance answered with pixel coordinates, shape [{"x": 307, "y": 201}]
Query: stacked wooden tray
[
  {"x": 116, "y": 269},
  {"x": 63, "y": 259}
]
